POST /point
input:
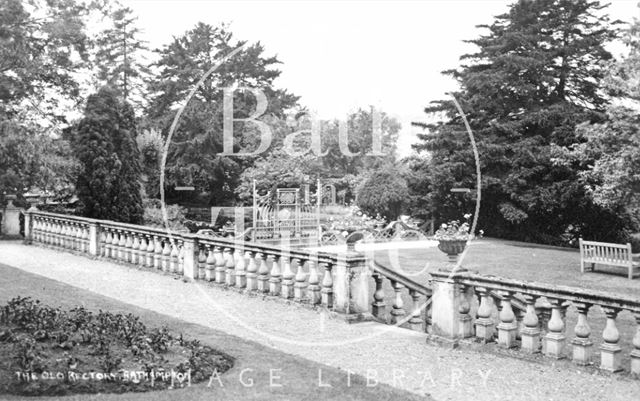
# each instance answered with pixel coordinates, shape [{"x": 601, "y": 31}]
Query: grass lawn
[
  {"x": 529, "y": 262},
  {"x": 298, "y": 377}
]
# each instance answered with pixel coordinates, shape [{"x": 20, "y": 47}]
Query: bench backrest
[{"x": 606, "y": 253}]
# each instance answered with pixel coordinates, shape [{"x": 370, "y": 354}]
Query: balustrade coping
[
  {"x": 321, "y": 257},
  {"x": 566, "y": 293}
]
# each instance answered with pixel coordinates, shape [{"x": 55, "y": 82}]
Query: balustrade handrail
[
  {"x": 566, "y": 293},
  {"x": 320, "y": 257},
  {"x": 399, "y": 278}
]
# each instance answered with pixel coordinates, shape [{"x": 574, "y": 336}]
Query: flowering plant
[
  {"x": 455, "y": 231},
  {"x": 356, "y": 220}
]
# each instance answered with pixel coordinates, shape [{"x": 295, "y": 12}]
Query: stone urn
[{"x": 452, "y": 247}]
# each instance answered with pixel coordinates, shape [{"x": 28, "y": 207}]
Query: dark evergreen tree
[
  {"x": 109, "y": 182},
  {"x": 194, "y": 154},
  {"x": 535, "y": 76}
]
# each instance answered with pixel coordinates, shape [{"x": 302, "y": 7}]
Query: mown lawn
[{"x": 293, "y": 378}]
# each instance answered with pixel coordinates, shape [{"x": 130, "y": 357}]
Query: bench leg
[
  {"x": 630, "y": 272},
  {"x": 581, "y": 266},
  {"x": 593, "y": 267}
]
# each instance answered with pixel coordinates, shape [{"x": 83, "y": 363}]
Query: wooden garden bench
[{"x": 608, "y": 254}]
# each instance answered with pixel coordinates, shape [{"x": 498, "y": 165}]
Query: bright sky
[{"x": 341, "y": 55}]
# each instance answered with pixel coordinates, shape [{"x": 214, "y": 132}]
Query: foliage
[
  {"x": 150, "y": 144},
  {"x": 535, "y": 77},
  {"x": 360, "y": 130},
  {"x": 42, "y": 44},
  {"x": 194, "y": 155},
  {"x": 355, "y": 220},
  {"x": 30, "y": 158},
  {"x": 154, "y": 217},
  {"x": 384, "y": 192},
  {"x": 120, "y": 56},
  {"x": 36, "y": 338},
  {"x": 610, "y": 153},
  {"x": 109, "y": 185},
  {"x": 277, "y": 170}
]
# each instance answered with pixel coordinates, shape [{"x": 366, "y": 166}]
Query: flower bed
[{"x": 48, "y": 351}]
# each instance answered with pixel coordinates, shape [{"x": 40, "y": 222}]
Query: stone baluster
[
  {"x": 63, "y": 235},
  {"x": 288, "y": 277},
  {"x": 229, "y": 267},
  {"x": 610, "y": 351},
  {"x": 103, "y": 243},
  {"x": 166, "y": 255},
  {"x": 127, "y": 247},
  {"x": 530, "y": 334},
  {"x": 635, "y": 354},
  {"x": 221, "y": 269},
  {"x": 484, "y": 324},
  {"x": 314, "y": 283},
  {"x": 135, "y": 249},
  {"x": 508, "y": 326},
  {"x": 122, "y": 251},
  {"x": 555, "y": 339},
  {"x": 240, "y": 269},
  {"x": 582, "y": 345},
  {"x": 327, "y": 286},
  {"x": 108, "y": 239},
  {"x": 181, "y": 258},
  {"x": 300, "y": 280},
  {"x": 379, "y": 307},
  {"x": 173, "y": 257},
  {"x": 75, "y": 236},
  {"x": 466, "y": 321},
  {"x": 210, "y": 265},
  {"x": 84, "y": 239},
  {"x": 58, "y": 231},
  {"x": 276, "y": 276},
  {"x": 78, "y": 237},
  {"x": 142, "y": 251},
  {"x": 202, "y": 262},
  {"x": 115, "y": 241},
  {"x": 397, "y": 309},
  {"x": 252, "y": 273},
  {"x": 157, "y": 253},
  {"x": 263, "y": 273},
  {"x": 416, "y": 323},
  {"x": 151, "y": 251}
]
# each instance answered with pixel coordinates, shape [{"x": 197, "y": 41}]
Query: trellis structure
[{"x": 287, "y": 215}]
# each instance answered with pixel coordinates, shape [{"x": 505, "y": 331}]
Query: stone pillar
[
  {"x": 190, "y": 257},
  {"x": 445, "y": 306},
  {"x": 351, "y": 285},
  {"x": 11, "y": 218}
]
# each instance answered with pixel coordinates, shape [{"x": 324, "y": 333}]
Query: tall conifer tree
[{"x": 535, "y": 76}]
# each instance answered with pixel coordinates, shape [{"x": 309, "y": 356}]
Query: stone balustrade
[
  {"x": 389, "y": 306},
  {"x": 481, "y": 308},
  {"x": 320, "y": 279}
]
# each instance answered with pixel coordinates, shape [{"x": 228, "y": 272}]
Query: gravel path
[{"x": 399, "y": 357}]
